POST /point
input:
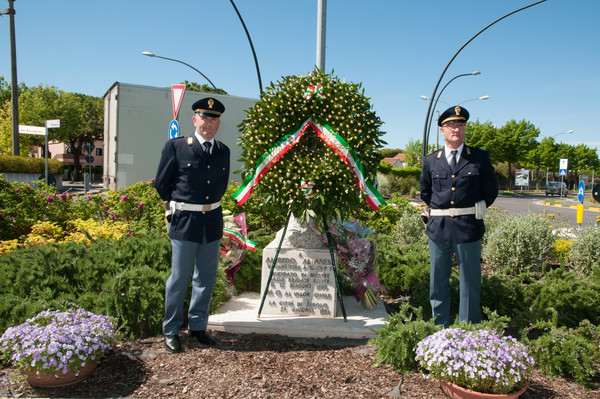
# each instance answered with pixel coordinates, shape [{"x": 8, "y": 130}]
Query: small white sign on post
[
  {"x": 39, "y": 130},
  {"x": 522, "y": 177},
  {"x": 51, "y": 123}
]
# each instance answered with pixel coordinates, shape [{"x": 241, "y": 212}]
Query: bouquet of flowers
[
  {"x": 355, "y": 247},
  {"x": 58, "y": 342},
  {"x": 234, "y": 244},
  {"x": 480, "y": 360}
]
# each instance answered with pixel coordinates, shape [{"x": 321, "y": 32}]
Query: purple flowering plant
[
  {"x": 480, "y": 360},
  {"x": 58, "y": 342}
]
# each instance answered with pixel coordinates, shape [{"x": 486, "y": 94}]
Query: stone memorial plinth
[{"x": 303, "y": 283}]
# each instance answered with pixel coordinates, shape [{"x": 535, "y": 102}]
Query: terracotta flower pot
[
  {"x": 48, "y": 380},
  {"x": 455, "y": 392}
]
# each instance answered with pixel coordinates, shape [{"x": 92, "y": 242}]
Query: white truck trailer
[{"x": 136, "y": 126}]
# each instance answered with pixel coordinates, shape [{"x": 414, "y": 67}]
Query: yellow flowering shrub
[
  {"x": 561, "y": 249},
  {"x": 8, "y": 246},
  {"x": 45, "y": 233},
  {"x": 90, "y": 230}
]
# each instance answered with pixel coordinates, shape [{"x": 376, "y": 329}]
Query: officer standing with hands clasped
[
  {"x": 192, "y": 177},
  {"x": 458, "y": 183}
]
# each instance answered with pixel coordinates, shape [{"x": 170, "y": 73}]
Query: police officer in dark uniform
[
  {"x": 192, "y": 177},
  {"x": 458, "y": 183}
]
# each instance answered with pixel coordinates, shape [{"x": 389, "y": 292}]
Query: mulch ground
[{"x": 258, "y": 366}]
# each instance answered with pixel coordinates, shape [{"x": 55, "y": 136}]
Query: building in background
[
  {"x": 136, "y": 127},
  {"x": 396, "y": 162}
]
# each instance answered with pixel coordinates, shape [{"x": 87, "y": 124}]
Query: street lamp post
[
  {"x": 437, "y": 136},
  {"x": 14, "y": 86},
  {"x": 149, "y": 54},
  {"x": 554, "y": 135}
]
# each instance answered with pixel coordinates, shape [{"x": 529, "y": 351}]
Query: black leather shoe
[
  {"x": 203, "y": 338},
  {"x": 172, "y": 344}
]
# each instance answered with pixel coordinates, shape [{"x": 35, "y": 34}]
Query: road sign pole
[{"x": 46, "y": 154}]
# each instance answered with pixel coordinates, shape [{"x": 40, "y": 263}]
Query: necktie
[
  {"x": 207, "y": 147},
  {"x": 453, "y": 159}
]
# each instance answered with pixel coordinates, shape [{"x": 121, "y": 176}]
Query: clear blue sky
[{"x": 541, "y": 64}]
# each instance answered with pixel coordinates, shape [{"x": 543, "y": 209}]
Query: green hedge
[
  {"x": 10, "y": 164},
  {"x": 406, "y": 172}
]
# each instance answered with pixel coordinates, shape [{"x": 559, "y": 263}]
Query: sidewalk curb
[{"x": 561, "y": 205}]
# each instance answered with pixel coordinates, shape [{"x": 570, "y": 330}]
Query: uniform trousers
[
  {"x": 203, "y": 260},
  {"x": 469, "y": 269}
]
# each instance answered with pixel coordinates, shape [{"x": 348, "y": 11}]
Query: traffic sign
[
  {"x": 581, "y": 191},
  {"x": 173, "y": 129},
  {"x": 596, "y": 192},
  {"x": 562, "y": 172},
  {"x": 89, "y": 147},
  {"x": 564, "y": 162},
  {"x": 89, "y": 158},
  {"x": 39, "y": 130},
  {"x": 177, "y": 92},
  {"x": 53, "y": 123}
]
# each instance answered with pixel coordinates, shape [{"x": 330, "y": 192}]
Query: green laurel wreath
[{"x": 283, "y": 107}]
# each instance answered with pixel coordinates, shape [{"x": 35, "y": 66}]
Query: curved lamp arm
[
  {"x": 251, "y": 46},
  {"x": 149, "y": 54},
  {"x": 425, "y": 135},
  {"x": 439, "y": 95}
]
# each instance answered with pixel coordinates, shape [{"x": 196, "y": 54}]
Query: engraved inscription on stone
[{"x": 303, "y": 283}]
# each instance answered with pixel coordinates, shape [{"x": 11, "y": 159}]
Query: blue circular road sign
[
  {"x": 173, "y": 129},
  {"x": 580, "y": 191}
]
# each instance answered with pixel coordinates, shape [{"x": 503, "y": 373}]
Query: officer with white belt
[
  {"x": 192, "y": 177},
  {"x": 458, "y": 182}
]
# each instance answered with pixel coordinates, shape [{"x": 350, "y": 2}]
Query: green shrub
[
  {"x": 17, "y": 164},
  {"x": 574, "y": 297},
  {"x": 397, "y": 340},
  {"x": 566, "y": 352},
  {"x": 391, "y": 184},
  {"x": 409, "y": 171},
  {"x": 135, "y": 298},
  {"x": 403, "y": 270},
  {"x": 504, "y": 295},
  {"x": 585, "y": 250},
  {"x": 248, "y": 277},
  {"x": 518, "y": 244},
  {"x": 386, "y": 217}
]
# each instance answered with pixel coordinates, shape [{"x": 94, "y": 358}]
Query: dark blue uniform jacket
[
  {"x": 187, "y": 174},
  {"x": 473, "y": 181}
]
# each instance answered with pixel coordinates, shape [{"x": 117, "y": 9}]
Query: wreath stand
[{"x": 333, "y": 265}]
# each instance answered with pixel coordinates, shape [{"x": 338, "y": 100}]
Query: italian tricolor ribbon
[
  {"x": 246, "y": 243},
  {"x": 332, "y": 139},
  {"x": 316, "y": 89}
]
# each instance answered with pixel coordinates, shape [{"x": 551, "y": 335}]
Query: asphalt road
[{"x": 521, "y": 203}]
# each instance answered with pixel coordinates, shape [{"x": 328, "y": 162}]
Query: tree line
[
  {"x": 81, "y": 117},
  {"x": 515, "y": 143}
]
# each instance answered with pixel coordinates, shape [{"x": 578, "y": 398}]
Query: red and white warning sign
[{"x": 177, "y": 95}]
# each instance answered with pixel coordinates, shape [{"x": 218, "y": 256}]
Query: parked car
[{"x": 554, "y": 188}]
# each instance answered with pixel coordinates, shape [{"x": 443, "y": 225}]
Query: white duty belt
[
  {"x": 452, "y": 211},
  {"x": 478, "y": 210},
  {"x": 184, "y": 206}
]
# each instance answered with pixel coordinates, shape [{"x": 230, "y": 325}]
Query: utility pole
[
  {"x": 321, "y": 28},
  {"x": 14, "y": 87}
]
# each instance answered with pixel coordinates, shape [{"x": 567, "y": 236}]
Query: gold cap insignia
[
  {"x": 211, "y": 102},
  {"x": 457, "y": 110}
]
